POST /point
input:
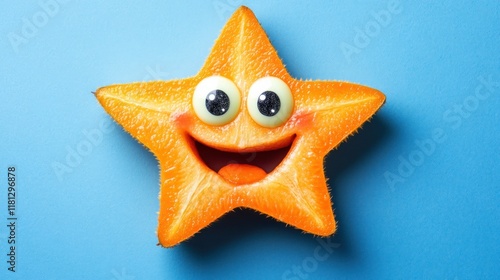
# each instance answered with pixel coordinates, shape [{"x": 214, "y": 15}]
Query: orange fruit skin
[{"x": 160, "y": 115}]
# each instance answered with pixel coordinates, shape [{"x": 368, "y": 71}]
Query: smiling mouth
[{"x": 243, "y": 167}]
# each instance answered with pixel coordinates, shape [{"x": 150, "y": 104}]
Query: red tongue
[{"x": 241, "y": 174}]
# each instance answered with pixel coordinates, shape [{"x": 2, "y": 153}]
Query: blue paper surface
[{"x": 416, "y": 192}]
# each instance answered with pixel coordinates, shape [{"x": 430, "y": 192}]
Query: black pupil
[
  {"x": 269, "y": 103},
  {"x": 217, "y": 102}
]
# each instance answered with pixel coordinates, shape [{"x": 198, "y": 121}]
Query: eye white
[
  {"x": 216, "y": 100},
  {"x": 270, "y": 102}
]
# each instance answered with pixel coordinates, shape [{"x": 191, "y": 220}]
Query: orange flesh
[
  {"x": 193, "y": 194},
  {"x": 242, "y": 174}
]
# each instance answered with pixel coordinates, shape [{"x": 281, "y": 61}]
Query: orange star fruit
[{"x": 241, "y": 133}]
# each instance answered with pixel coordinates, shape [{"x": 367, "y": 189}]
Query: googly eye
[
  {"x": 216, "y": 100},
  {"x": 270, "y": 102}
]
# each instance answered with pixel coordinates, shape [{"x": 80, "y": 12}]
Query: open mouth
[{"x": 242, "y": 167}]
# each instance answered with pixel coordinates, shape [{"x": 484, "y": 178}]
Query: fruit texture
[{"x": 241, "y": 133}]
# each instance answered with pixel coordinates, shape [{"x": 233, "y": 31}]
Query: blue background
[{"x": 437, "y": 216}]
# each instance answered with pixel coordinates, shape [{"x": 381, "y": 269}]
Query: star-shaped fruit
[{"x": 241, "y": 133}]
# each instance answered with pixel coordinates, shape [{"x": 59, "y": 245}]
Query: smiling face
[
  {"x": 241, "y": 133},
  {"x": 237, "y": 135}
]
